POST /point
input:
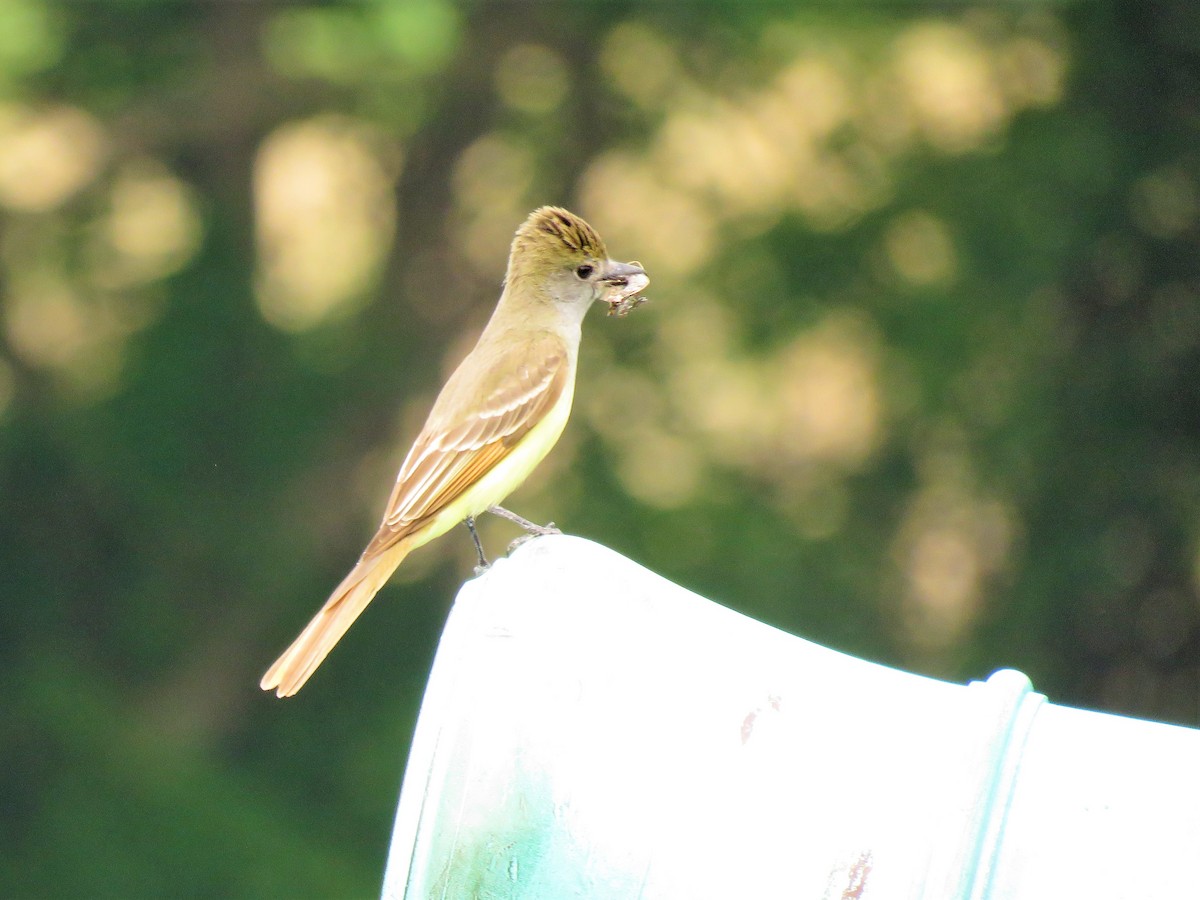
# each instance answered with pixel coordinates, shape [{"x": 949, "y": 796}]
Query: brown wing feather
[{"x": 463, "y": 440}]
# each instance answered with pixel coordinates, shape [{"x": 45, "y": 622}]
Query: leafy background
[{"x": 919, "y": 379}]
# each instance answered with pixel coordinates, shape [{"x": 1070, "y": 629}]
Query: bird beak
[{"x": 623, "y": 281}]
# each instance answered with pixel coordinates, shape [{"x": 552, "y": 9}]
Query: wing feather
[{"x": 462, "y": 441}]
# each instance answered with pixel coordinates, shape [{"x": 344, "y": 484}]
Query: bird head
[{"x": 559, "y": 256}]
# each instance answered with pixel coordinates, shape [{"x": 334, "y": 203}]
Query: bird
[{"x": 496, "y": 418}]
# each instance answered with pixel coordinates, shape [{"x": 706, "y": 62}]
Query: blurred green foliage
[{"x": 920, "y": 378}]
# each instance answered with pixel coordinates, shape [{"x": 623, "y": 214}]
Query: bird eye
[{"x": 584, "y": 272}]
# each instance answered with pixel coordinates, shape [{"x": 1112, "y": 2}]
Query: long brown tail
[{"x": 288, "y": 673}]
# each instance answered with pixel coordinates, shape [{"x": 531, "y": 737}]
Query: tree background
[{"x": 918, "y": 379}]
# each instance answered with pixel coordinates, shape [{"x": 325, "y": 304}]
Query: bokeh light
[
  {"x": 152, "y": 228},
  {"x": 492, "y": 179},
  {"x": 325, "y": 217},
  {"x": 47, "y": 155},
  {"x": 532, "y": 78}
]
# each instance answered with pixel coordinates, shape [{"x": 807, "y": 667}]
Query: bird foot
[
  {"x": 531, "y": 528},
  {"x": 539, "y": 531}
]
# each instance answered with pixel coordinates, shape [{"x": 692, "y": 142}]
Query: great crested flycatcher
[{"x": 494, "y": 421}]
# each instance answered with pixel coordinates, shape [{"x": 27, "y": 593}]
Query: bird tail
[{"x": 289, "y": 673}]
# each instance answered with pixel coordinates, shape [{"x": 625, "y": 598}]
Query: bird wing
[{"x": 464, "y": 438}]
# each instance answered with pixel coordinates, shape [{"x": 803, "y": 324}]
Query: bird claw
[{"x": 539, "y": 531}]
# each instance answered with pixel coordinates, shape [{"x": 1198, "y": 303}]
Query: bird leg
[
  {"x": 483, "y": 563},
  {"x": 532, "y": 529}
]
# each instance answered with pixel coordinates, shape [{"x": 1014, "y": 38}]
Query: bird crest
[{"x": 563, "y": 229}]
